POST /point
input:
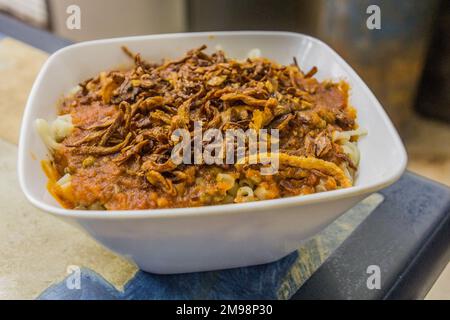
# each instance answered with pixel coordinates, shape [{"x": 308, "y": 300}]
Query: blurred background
[{"x": 406, "y": 62}]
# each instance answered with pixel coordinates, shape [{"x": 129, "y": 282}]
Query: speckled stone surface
[{"x": 19, "y": 65}]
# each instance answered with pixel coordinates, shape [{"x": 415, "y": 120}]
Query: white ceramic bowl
[{"x": 211, "y": 237}]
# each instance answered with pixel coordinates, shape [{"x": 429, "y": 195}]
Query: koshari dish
[{"x": 111, "y": 143}]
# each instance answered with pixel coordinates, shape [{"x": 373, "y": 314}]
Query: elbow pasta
[
  {"x": 227, "y": 180},
  {"x": 244, "y": 194},
  {"x": 262, "y": 193}
]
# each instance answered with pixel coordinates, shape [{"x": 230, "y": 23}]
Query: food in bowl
[
  {"x": 191, "y": 239},
  {"x": 113, "y": 143}
]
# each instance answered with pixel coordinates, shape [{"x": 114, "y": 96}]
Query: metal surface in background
[
  {"x": 389, "y": 60},
  {"x": 434, "y": 97},
  {"x": 285, "y": 15}
]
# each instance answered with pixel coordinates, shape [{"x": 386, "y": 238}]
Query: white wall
[
  {"x": 115, "y": 18},
  {"x": 34, "y": 11}
]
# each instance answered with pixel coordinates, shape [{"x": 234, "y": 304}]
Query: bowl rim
[{"x": 228, "y": 209}]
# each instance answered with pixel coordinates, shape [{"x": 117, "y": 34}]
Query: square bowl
[{"x": 220, "y": 236}]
